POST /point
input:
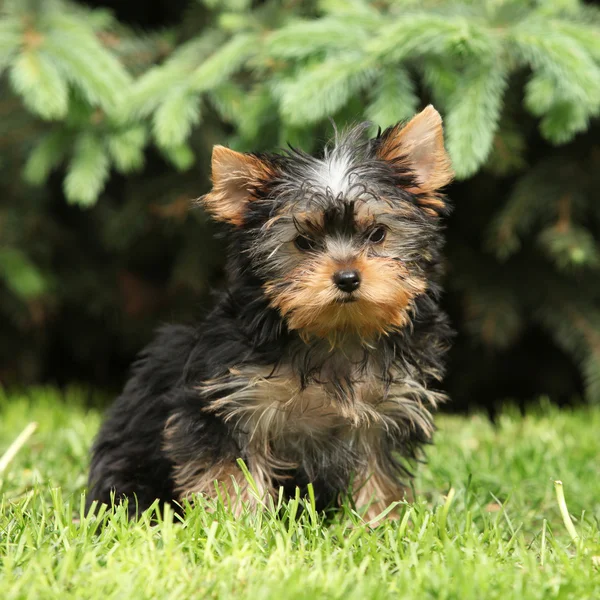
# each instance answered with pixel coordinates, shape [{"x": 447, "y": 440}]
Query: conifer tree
[{"x": 90, "y": 109}]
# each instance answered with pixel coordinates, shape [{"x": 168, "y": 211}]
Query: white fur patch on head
[{"x": 334, "y": 173}]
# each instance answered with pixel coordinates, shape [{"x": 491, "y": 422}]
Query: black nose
[{"x": 347, "y": 281}]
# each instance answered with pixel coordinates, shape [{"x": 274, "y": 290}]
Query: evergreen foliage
[{"x": 85, "y": 100}]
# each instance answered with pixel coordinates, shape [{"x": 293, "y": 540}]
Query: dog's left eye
[
  {"x": 303, "y": 243},
  {"x": 377, "y": 235}
]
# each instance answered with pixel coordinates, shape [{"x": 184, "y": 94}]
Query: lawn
[{"x": 485, "y": 524}]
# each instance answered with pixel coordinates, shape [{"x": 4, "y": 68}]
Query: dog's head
[{"x": 341, "y": 242}]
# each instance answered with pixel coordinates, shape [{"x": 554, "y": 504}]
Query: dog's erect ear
[
  {"x": 419, "y": 145},
  {"x": 234, "y": 177}
]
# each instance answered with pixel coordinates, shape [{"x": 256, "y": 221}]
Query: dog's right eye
[{"x": 303, "y": 243}]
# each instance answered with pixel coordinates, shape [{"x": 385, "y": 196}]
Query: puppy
[{"x": 315, "y": 365}]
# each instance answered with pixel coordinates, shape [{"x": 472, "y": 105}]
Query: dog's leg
[
  {"x": 375, "y": 491},
  {"x": 225, "y": 480}
]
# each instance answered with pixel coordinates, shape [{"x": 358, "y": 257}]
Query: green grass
[{"x": 499, "y": 534}]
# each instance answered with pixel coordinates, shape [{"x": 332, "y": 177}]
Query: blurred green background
[{"x": 109, "y": 110}]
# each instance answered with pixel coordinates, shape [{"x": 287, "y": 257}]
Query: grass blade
[{"x": 14, "y": 448}]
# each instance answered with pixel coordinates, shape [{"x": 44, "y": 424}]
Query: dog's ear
[
  {"x": 235, "y": 176},
  {"x": 419, "y": 145}
]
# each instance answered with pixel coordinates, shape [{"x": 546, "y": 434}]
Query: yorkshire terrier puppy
[{"x": 315, "y": 364}]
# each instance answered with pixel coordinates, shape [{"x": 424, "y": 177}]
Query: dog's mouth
[{"x": 346, "y": 299}]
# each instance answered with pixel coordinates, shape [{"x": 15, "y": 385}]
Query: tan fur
[
  {"x": 375, "y": 491},
  {"x": 226, "y": 480},
  {"x": 233, "y": 175},
  {"x": 421, "y": 144},
  {"x": 366, "y": 213},
  {"x": 308, "y": 298}
]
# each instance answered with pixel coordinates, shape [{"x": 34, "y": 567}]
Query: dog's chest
[
  {"x": 349, "y": 407},
  {"x": 266, "y": 404}
]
